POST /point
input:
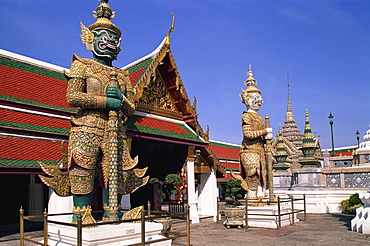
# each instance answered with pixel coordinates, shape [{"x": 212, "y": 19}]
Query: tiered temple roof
[{"x": 290, "y": 130}]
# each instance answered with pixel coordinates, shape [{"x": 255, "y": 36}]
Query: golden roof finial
[{"x": 167, "y": 41}]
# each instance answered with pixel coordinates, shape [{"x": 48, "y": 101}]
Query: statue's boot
[
  {"x": 80, "y": 204},
  {"x": 107, "y": 214}
]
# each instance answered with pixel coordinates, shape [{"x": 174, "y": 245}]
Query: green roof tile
[
  {"x": 34, "y": 127},
  {"x": 31, "y": 68}
]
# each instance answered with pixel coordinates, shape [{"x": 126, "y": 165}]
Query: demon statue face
[
  {"x": 106, "y": 44},
  {"x": 254, "y": 101}
]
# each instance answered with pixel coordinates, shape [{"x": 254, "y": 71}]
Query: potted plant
[
  {"x": 234, "y": 213},
  {"x": 172, "y": 188},
  {"x": 172, "y": 182}
]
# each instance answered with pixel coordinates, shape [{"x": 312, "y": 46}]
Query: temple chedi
[
  {"x": 290, "y": 129},
  {"x": 362, "y": 154}
]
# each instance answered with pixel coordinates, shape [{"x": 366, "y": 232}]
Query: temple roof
[
  {"x": 229, "y": 157},
  {"x": 225, "y": 150}
]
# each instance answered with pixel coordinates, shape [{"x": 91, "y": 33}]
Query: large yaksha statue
[
  {"x": 252, "y": 152},
  {"x": 97, "y": 143}
]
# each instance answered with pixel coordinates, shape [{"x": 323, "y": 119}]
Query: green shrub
[
  {"x": 351, "y": 204},
  {"x": 233, "y": 190},
  {"x": 173, "y": 179},
  {"x": 153, "y": 181}
]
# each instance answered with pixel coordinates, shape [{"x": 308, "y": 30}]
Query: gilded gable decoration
[
  {"x": 156, "y": 95},
  {"x": 194, "y": 106}
]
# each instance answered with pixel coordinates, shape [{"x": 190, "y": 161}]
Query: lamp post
[
  {"x": 358, "y": 139},
  {"x": 330, "y": 117}
]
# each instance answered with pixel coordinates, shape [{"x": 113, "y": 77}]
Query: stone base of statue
[
  {"x": 109, "y": 235},
  {"x": 361, "y": 223},
  {"x": 268, "y": 216}
]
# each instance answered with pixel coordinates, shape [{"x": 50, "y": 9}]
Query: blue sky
[{"x": 324, "y": 46}]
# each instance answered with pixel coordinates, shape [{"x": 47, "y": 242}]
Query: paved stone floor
[{"x": 319, "y": 229}]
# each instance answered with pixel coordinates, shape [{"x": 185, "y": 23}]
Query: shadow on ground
[
  {"x": 10, "y": 230},
  {"x": 345, "y": 218}
]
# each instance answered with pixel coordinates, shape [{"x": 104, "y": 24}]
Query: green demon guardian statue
[{"x": 97, "y": 143}]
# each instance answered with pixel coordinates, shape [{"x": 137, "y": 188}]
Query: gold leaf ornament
[{"x": 87, "y": 37}]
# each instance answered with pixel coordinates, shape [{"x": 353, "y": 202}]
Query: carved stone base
[{"x": 234, "y": 217}]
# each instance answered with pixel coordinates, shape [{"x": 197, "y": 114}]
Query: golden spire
[{"x": 289, "y": 105}]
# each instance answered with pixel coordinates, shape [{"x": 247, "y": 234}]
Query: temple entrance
[{"x": 161, "y": 158}]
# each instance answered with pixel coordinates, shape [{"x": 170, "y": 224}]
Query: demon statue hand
[
  {"x": 252, "y": 152},
  {"x": 90, "y": 147}
]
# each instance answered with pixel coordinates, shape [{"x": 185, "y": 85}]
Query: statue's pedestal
[
  {"x": 268, "y": 216},
  {"x": 108, "y": 235}
]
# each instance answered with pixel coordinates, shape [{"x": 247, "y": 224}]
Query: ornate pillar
[{"x": 192, "y": 199}]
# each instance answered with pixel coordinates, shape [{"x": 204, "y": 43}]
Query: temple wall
[
  {"x": 324, "y": 188},
  {"x": 208, "y": 192}
]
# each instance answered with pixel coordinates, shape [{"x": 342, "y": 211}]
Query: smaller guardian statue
[{"x": 252, "y": 151}]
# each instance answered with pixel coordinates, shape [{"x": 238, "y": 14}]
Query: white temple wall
[
  {"x": 324, "y": 201},
  {"x": 208, "y": 193}
]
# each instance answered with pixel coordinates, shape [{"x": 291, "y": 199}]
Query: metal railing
[
  {"x": 146, "y": 215},
  {"x": 277, "y": 201}
]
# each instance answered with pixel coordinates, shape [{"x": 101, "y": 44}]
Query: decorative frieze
[
  {"x": 342, "y": 163},
  {"x": 333, "y": 180},
  {"x": 356, "y": 180}
]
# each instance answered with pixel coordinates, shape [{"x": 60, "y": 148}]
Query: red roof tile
[
  {"x": 25, "y": 118},
  {"x": 29, "y": 149},
  {"x": 26, "y": 85},
  {"x": 224, "y": 152},
  {"x": 160, "y": 124},
  {"x": 135, "y": 76}
]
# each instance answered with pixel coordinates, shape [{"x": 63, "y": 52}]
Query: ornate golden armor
[
  {"x": 252, "y": 153},
  {"x": 89, "y": 142}
]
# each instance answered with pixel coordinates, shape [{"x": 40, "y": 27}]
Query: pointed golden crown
[
  {"x": 103, "y": 15},
  {"x": 251, "y": 82}
]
